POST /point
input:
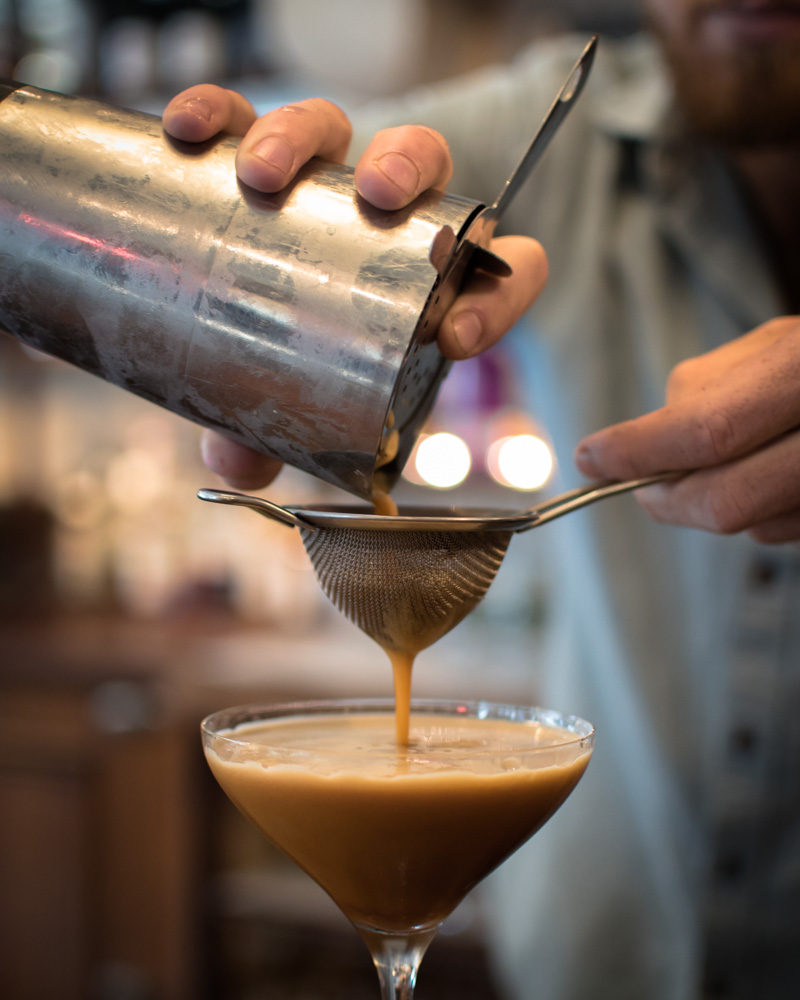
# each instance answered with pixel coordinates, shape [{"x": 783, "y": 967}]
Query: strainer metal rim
[
  {"x": 427, "y": 518},
  {"x": 413, "y": 518}
]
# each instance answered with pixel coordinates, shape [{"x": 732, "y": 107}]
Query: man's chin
[{"x": 746, "y": 97}]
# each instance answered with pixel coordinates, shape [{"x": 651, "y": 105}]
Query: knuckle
[
  {"x": 728, "y": 511},
  {"x": 420, "y": 131},
  {"x": 441, "y": 147},
  {"x": 298, "y": 109},
  {"x": 715, "y": 437},
  {"x": 682, "y": 377},
  {"x": 435, "y": 137},
  {"x": 311, "y": 109},
  {"x": 316, "y": 119},
  {"x": 332, "y": 112},
  {"x": 652, "y": 507},
  {"x": 781, "y": 326}
]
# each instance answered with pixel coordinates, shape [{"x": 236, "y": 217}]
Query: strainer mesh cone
[{"x": 405, "y": 589}]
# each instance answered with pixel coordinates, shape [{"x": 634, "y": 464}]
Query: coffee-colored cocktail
[{"x": 397, "y": 834}]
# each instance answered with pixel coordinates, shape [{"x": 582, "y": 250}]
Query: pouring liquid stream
[{"x": 402, "y": 663}]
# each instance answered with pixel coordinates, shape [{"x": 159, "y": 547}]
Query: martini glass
[{"x": 396, "y": 835}]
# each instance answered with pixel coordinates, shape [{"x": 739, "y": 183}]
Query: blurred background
[{"x": 128, "y": 609}]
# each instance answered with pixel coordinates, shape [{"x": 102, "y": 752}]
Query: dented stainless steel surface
[{"x": 294, "y": 323}]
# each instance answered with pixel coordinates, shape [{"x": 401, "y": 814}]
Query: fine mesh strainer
[
  {"x": 406, "y": 580},
  {"x": 405, "y": 589}
]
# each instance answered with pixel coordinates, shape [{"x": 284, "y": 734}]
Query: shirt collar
[{"x": 632, "y": 101}]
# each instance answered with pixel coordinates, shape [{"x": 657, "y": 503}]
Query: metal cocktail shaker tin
[{"x": 301, "y": 324}]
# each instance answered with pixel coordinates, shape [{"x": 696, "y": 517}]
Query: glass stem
[{"x": 397, "y": 958}]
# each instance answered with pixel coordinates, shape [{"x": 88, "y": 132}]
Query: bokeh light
[
  {"x": 521, "y": 461},
  {"x": 442, "y": 460}
]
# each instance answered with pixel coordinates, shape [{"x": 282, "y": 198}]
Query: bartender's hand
[
  {"x": 398, "y": 165},
  {"x": 732, "y": 414}
]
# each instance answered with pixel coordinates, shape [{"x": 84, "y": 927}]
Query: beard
[{"x": 744, "y": 96}]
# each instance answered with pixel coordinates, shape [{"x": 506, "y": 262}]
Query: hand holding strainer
[{"x": 406, "y": 580}]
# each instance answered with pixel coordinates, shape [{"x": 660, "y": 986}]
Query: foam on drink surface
[{"x": 366, "y": 744}]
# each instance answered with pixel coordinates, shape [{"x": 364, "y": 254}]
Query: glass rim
[{"x": 239, "y": 715}]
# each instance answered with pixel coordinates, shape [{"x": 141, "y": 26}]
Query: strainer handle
[
  {"x": 258, "y": 504},
  {"x": 565, "y": 503}
]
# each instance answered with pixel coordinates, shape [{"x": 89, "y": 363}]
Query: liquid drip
[
  {"x": 402, "y": 666},
  {"x": 402, "y": 663},
  {"x": 383, "y": 504}
]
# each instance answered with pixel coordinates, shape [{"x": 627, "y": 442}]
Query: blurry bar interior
[{"x": 128, "y": 609}]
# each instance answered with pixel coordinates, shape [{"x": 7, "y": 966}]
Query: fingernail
[
  {"x": 468, "y": 330},
  {"x": 275, "y": 151},
  {"x": 585, "y": 460},
  {"x": 199, "y": 108},
  {"x": 401, "y": 171},
  {"x": 209, "y": 451}
]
